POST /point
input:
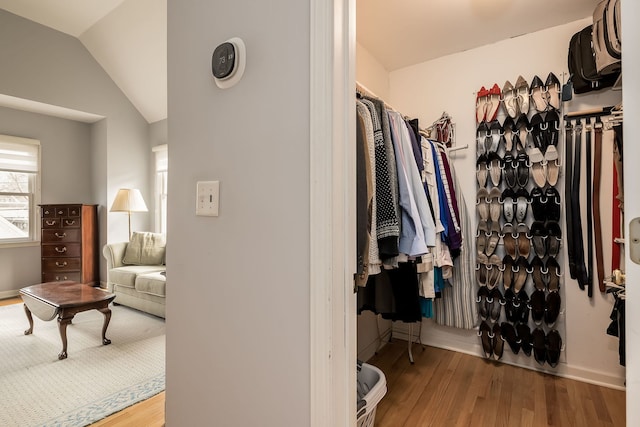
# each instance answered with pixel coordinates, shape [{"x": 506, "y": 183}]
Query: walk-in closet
[{"x": 520, "y": 171}]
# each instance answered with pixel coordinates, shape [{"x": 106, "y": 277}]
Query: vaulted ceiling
[{"x": 129, "y": 37}]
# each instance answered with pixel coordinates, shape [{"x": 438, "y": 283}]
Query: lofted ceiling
[{"x": 129, "y": 37}]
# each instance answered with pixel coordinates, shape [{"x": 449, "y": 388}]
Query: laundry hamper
[{"x": 372, "y": 386}]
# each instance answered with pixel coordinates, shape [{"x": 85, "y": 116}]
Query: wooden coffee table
[{"x": 64, "y": 300}]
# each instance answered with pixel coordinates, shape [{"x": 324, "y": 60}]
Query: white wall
[
  {"x": 371, "y": 73},
  {"x": 631, "y": 85},
  {"x": 238, "y": 310},
  {"x": 450, "y": 84},
  {"x": 65, "y": 178},
  {"x": 47, "y": 66}
]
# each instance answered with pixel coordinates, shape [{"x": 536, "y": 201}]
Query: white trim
[
  {"x": 332, "y": 225},
  {"x": 9, "y": 294}
]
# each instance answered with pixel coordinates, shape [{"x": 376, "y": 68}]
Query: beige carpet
[{"x": 95, "y": 381}]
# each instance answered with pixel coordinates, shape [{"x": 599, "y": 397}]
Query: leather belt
[
  {"x": 589, "y": 270},
  {"x": 576, "y": 221},
  {"x": 597, "y": 223},
  {"x": 569, "y": 135}
]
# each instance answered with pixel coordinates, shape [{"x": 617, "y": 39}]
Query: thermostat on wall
[{"x": 228, "y": 62}]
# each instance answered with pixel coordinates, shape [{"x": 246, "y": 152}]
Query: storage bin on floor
[{"x": 372, "y": 386}]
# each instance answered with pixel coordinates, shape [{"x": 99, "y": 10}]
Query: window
[
  {"x": 19, "y": 189},
  {"x": 162, "y": 163}
]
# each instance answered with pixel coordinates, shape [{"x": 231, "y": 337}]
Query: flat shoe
[
  {"x": 482, "y": 204},
  {"x": 482, "y": 133},
  {"x": 495, "y": 195},
  {"x": 498, "y": 342},
  {"x": 493, "y": 237},
  {"x": 481, "y": 237},
  {"x": 538, "y": 166},
  {"x": 509, "y": 238},
  {"x": 481, "y": 299},
  {"x": 509, "y": 169},
  {"x": 522, "y": 204},
  {"x": 524, "y": 336},
  {"x": 538, "y": 239},
  {"x": 554, "y": 238},
  {"x": 552, "y": 204},
  {"x": 524, "y": 128},
  {"x": 524, "y": 241},
  {"x": 520, "y": 271},
  {"x": 552, "y": 91},
  {"x": 522, "y": 89},
  {"x": 507, "y": 128},
  {"x": 538, "y": 92},
  {"x": 481, "y": 269},
  {"x": 481, "y": 104},
  {"x": 496, "y": 301},
  {"x": 510, "y": 310},
  {"x": 494, "y": 163},
  {"x": 486, "y": 337},
  {"x": 551, "y": 128},
  {"x": 523, "y": 306},
  {"x": 553, "y": 165},
  {"x": 482, "y": 171},
  {"x": 554, "y": 347},
  {"x": 522, "y": 176},
  {"x": 537, "y": 304},
  {"x": 552, "y": 308},
  {"x": 493, "y": 103},
  {"x": 507, "y": 271},
  {"x": 510, "y": 100},
  {"x": 538, "y": 271},
  {"x": 538, "y": 130},
  {"x": 538, "y": 204},
  {"x": 539, "y": 345},
  {"x": 492, "y": 139},
  {"x": 510, "y": 336},
  {"x": 494, "y": 272},
  {"x": 508, "y": 201}
]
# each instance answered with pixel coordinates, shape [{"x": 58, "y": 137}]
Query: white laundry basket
[{"x": 372, "y": 386}]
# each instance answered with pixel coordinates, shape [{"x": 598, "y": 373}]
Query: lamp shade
[{"x": 128, "y": 200}]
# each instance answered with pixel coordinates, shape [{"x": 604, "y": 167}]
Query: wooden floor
[{"x": 445, "y": 388}]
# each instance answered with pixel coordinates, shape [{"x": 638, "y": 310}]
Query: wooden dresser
[{"x": 69, "y": 244}]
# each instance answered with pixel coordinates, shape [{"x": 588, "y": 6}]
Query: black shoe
[
  {"x": 539, "y": 342},
  {"x": 554, "y": 346},
  {"x": 509, "y": 335},
  {"x": 524, "y": 336}
]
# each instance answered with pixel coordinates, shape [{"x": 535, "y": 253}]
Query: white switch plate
[{"x": 207, "y": 198}]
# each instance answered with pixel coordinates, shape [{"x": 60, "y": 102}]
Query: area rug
[{"x": 94, "y": 381}]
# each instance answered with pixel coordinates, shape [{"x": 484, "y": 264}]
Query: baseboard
[
  {"x": 9, "y": 294},
  {"x": 467, "y": 342},
  {"x": 372, "y": 348}
]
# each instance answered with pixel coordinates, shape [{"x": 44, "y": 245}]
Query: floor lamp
[{"x": 129, "y": 200}]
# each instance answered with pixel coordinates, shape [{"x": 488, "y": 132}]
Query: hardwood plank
[{"x": 445, "y": 388}]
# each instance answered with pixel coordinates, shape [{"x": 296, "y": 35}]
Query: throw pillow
[{"x": 145, "y": 249}]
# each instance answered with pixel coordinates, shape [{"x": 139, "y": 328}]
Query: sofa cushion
[
  {"x": 126, "y": 276},
  {"x": 151, "y": 283},
  {"x": 145, "y": 249}
]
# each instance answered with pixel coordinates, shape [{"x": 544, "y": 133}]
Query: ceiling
[{"x": 129, "y": 37}]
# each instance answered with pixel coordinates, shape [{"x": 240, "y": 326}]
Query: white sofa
[{"x": 136, "y": 272}]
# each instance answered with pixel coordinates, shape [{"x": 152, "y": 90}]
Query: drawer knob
[
  {"x": 58, "y": 278},
  {"x": 50, "y": 222},
  {"x": 61, "y": 264},
  {"x": 61, "y": 250},
  {"x": 61, "y": 236},
  {"x": 73, "y": 221}
]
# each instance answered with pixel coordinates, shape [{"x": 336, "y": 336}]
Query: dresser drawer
[
  {"x": 51, "y": 223},
  {"x": 59, "y": 235},
  {"x": 61, "y": 250},
  {"x": 71, "y": 222},
  {"x": 60, "y": 276},
  {"x": 48, "y": 212},
  {"x": 52, "y": 265},
  {"x": 74, "y": 211}
]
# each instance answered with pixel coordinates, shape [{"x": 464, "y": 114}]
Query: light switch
[{"x": 207, "y": 198}]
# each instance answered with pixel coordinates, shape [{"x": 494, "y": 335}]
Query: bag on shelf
[
  {"x": 606, "y": 44},
  {"x": 583, "y": 72}
]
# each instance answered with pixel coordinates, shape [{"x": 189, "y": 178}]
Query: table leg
[
  {"x": 107, "y": 317},
  {"x": 63, "y": 322},
  {"x": 30, "y": 318}
]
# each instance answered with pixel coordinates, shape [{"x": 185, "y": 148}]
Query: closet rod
[
  {"x": 366, "y": 91},
  {"x": 462, "y": 147},
  {"x": 584, "y": 114}
]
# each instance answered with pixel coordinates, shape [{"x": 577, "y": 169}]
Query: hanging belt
[
  {"x": 581, "y": 270},
  {"x": 597, "y": 223},
  {"x": 587, "y": 185},
  {"x": 568, "y": 185}
]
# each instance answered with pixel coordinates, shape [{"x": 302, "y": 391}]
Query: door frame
[{"x": 332, "y": 214}]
